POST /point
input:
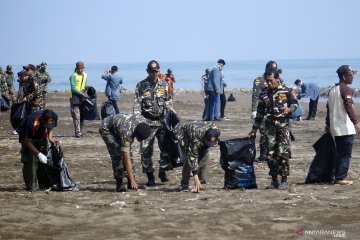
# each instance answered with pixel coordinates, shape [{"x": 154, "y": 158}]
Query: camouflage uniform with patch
[
  {"x": 152, "y": 100},
  {"x": 33, "y": 91},
  {"x": 260, "y": 85},
  {"x": 272, "y": 103},
  {"x": 192, "y": 138},
  {"x": 117, "y": 131},
  {"x": 44, "y": 76},
  {"x": 9, "y": 76}
]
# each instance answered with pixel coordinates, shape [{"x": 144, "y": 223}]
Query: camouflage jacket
[
  {"x": 272, "y": 103},
  {"x": 33, "y": 91},
  {"x": 259, "y": 85},
  {"x": 122, "y": 126},
  {"x": 9, "y": 78},
  {"x": 44, "y": 78},
  {"x": 152, "y": 100},
  {"x": 192, "y": 137}
]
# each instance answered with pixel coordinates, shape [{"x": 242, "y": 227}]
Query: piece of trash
[
  {"x": 163, "y": 210},
  {"x": 142, "y": 194},
  {"x": 77, "y": 206},
  {"x": 118, "y": 203}
]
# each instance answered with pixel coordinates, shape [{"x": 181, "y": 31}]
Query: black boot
[
  {"x": 151, "y": 179},
  {"x": 274, "y": 183},
  {"x": 283, "y": 185},
  {"x": 163, "y": 177},
  {"x": 120, "y": 186}
]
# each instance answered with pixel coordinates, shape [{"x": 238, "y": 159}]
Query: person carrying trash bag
[
  {"x": 36, "y": 132},
  {"x": 90, "y": 106},
  {"x": 118, "y": 132},
  {"x": 196, "y": 138}
]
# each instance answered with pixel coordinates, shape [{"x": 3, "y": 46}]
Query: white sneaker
[
  {"x": 225, "y": 119},
  {"x": 15, "y": 132}
]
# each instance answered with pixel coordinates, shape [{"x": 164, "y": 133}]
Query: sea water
[{"x": 237, "y": 74}]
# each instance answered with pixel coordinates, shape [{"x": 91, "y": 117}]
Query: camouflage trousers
[
  {"x": 77, "y": 116},
  {"x": 263, "y": 142},
  {"x": 278, "y": 150},
  {"x": 203, "y": 163},
  {"x": 114, "y": 149},
  {"x": 147, "y": 148},
  {"x": 35, "y": 105}
]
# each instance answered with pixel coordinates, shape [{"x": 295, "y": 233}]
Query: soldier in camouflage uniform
[
  {"x": 152, "y": 100},
  {"x": 4, "y": 87},
  {"x": 44, "y": 76},
  {"x": 118, "y": 132},
  {"x": 276, "y": 103},
  {"x": 260, "y": 85},
  {"x": 9, "y": 76},
  {"x": 196, "y": 138},
  {"x": 32, "y": 92}
]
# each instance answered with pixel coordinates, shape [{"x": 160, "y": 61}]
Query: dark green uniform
[
  {"x": 192, "y": 137},
  {"x": 259, "y": 85},
  {"x": 152, "y": 100},
  {"x": 271, "y": 107},
  {"x": 117, "y": 132}
]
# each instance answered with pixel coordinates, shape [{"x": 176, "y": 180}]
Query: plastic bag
[
  {"x": 107, "y": 109},
  {"x": 17, "y": 114},
  {"x": 237, "y": 158},
  {"x": 322, "y": 167},
  {"x": 172, "y": 155},
  {"x": 90, "y": 109},
  {"x": 57, "y": 170},
  {"x": 4, "y": 105}
]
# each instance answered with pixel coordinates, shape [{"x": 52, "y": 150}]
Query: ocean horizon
[{"x": 237, "y": 74}]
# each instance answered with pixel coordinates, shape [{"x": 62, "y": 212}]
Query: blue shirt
[
  {"x": 113, "y": 80},
  {"x": 311, "y": 90}
]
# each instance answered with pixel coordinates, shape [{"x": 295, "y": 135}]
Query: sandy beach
[{"x": 162, "y": 212}]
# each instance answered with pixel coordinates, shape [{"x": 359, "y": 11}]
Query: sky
[{"x": 105, "y": 31}]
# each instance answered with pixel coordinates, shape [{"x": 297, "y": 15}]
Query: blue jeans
[
  {"x": 214, "y": 102},
  {"x": 343, "y": 154}
]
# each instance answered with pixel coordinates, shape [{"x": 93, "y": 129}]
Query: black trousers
[
  {"x": 312, "y": 108},
  {"x": 222, "y": 105}
]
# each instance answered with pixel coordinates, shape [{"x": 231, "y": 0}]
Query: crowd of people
[{"x": 273, "y": 104}]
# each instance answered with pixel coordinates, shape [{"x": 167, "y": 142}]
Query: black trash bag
[
  {"x": 90, "y": 110},
  {"x": 17, "y": 114},
  {"x": 107, "y": 109},
  {"x": 322, "y": 168},
  {"x": 57, "y": 170},
  {"x": 4, "y": 104},
  {"x": 173, "y": 154},
  {"x": 237, "y": 158}
]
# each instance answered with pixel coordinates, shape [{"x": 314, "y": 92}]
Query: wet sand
[{"x": 162, "y": 212}]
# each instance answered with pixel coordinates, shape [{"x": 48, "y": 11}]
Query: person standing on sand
[
  {"x": 113, "y": 81},
  {"x": 341, "y": 122},
  {"x": 213, "y": 87},
  {"x": 196, "y": 138},
  {"x": 78, "y": 85},
  {"x": 276, "y": 103},
  {"x": 35, "y": 133},
  {"x": 170, "y": 79},
  {"x": 313, "y": 92},
  {"x": 9, "y": 75},
  {"x": 259, "y": 85},
  {"x": 153, "y": 101},
  {"x": 118, "y": 132},
  {"x": 204, "y": 79}
]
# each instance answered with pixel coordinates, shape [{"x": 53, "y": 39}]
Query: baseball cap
[
  {"x": 344, "y": 69},
  {"x": 49, "y": 119},
  {"x": 22, "y": 74},
  {"x": 212, "y": 137},
  {"x": 153, "y": 65},
  {"x": 271, "y": 65},
  {"x": 29, "y": 66},
  {"x": 9, "y": 67},
  {"x": 80, "y": 64}
]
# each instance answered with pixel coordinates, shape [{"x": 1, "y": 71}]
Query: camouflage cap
[{"x": 344, "y": 69}]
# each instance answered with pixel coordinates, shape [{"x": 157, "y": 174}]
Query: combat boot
[
  {"x": 151, "y": 179},
  {"x": 283, "y": 185},
  {"x": 163, "y": 177},
  {"x": 274, "y": 183},
  {"x": 120, "y": 186}
]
